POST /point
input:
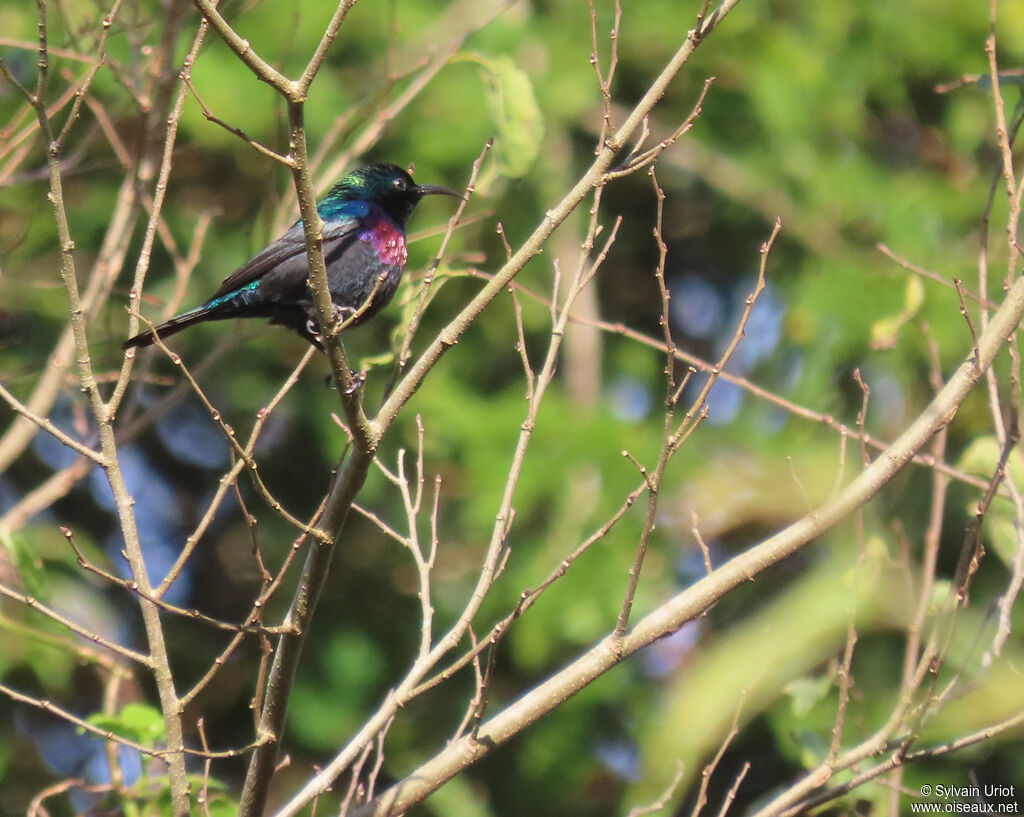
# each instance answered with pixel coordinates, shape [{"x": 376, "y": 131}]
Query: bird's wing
[{"x": 291, "y": 244}]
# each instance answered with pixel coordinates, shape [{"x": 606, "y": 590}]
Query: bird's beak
[{"x": 436, "y": 190}]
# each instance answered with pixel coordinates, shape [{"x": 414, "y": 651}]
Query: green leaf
[
  {"x": 516, "y": 116},
  {"x": 221, "y": 807},
  {"x": 29, "y": 566},
  {"x": 1005, "y": 79},
  {"x": 137, "y": 722},
  {"x": 885, "y": 331},
  {"x": 1000, "y": 526},
  {"x": 805, "y": 692}
]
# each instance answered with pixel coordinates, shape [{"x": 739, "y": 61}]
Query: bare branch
[{"x": 697, "y": 598}]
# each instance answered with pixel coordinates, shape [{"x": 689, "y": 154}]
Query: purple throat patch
[{"x": 388, "y": 241}]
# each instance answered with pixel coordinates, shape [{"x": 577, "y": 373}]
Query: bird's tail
[{"x": 174, "y": 325}]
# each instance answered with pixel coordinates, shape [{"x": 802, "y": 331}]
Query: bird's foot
[
  {"x": 314, "y": 332},
  {"x": 358, "y": 379},
  {"x": 339, "y": 317},
  {"x": 343, "y": 314}
]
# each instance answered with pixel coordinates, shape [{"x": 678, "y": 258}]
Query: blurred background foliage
[{"x": 825, "y": 114}]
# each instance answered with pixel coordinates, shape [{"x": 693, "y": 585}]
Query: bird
[{"x": 364, "y": 217}]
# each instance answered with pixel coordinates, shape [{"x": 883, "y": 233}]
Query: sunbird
[{"x": 364, "y": 218}]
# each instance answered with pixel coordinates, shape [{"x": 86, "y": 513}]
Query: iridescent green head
[{"x": 387, "y": 186}]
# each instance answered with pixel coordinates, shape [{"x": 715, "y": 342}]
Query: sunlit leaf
[
  {"x": 136, "y": 721},
  {"x": 29, "y": 566},
  {"x": 516, "y": 117},
  {"x": 885, "y": 331}
]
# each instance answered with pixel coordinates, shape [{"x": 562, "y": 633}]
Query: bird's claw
[
  {"x": 358, "y": 379},
  {"x": 314, "y": 331},
  {"x": 339, "y": 316},
  {"x": 343, "y": 314}
]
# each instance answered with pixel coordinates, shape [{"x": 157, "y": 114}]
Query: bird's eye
[{"x": 399, "y": 183}]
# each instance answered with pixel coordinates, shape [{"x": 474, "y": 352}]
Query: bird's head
[{"x": 387, "y": 186}]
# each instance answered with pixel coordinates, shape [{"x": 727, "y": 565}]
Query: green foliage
[
  {"x": 27, "y": 564},
  {"x": 137, "y": 722},
  {"x": 981, "y": 458},
  {"x": 349, "y": 669},
  {"x": 514, "y": 111}
]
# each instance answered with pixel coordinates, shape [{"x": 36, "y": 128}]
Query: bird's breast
[{"x": 388, "y": 241}]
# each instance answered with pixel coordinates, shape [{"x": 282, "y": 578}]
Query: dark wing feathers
[
  {"x": 288, "y": 246},
  {"x": 292, "y": 243}
]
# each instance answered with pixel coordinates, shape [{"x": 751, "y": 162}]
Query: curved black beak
[{"x": 436, "y": 190}]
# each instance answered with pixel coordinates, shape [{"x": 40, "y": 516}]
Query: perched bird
[{"x": 364, "y": 219}]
